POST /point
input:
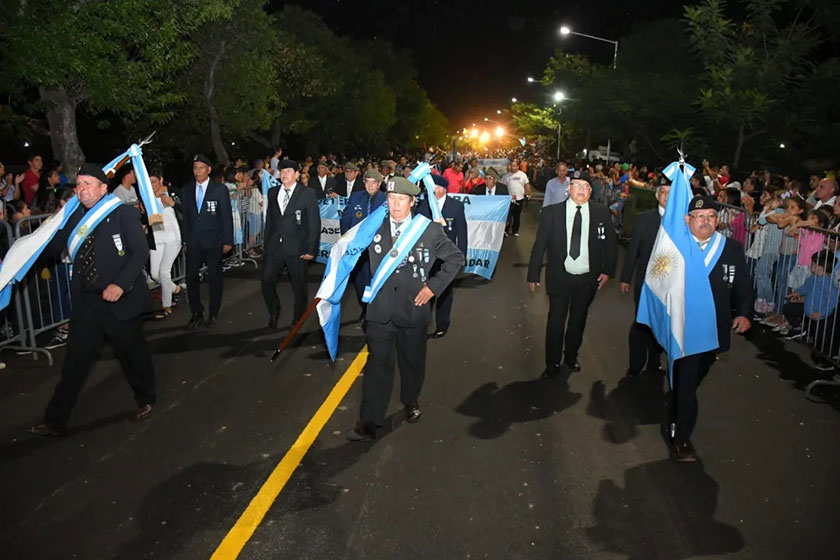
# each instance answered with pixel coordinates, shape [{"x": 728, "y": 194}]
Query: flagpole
[{"x": 295, "y": 328}]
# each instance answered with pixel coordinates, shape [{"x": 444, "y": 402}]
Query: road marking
[{"x": 253, "y": 515}]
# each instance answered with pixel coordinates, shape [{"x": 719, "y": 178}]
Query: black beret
[
  {"x": 702, "y": 202},
  {"x": 201, "y": 158},
  {"x": 93, "y": 170},
  {"x": 441, "y": 181},
  {"x": 287, "y": 164}
]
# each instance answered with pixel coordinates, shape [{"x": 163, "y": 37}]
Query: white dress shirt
[
  {"x": 281, "y": 194},
  {"x": 579, "y": 265}
]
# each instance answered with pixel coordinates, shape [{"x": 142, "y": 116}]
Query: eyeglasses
[{"x": 703, "y": 217}]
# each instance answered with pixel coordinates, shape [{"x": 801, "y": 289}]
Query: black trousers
[
  {"x": 196, "y": 256},
  {"x": 275, "y": 262},
  {"x": 443, "y": 309},
  {"x": 563, "y": 340},
  {"x": 385, "y": 340},
  {"x": 90, "y": 326},
  {"x": 642, "y": 344},
  {"x": 515, "y": 215},
  {"x": 689, "y": 372}
]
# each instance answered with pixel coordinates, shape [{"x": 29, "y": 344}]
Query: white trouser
[{"x": 161, "y": 261}]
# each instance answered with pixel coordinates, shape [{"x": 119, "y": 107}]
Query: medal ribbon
[{"x": 88, "y": 223}]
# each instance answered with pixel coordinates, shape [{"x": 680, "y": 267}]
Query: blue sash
[
  {"x": 88, "y": 223},
  {"x": 403, "y": 246}
]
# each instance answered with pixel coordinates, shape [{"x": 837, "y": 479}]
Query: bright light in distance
[
  {"x": 782, "y": 145},
  {"x": 513, "y": 100},
  {"x": 474, "y": 133},
  {"x": 26, "y": 144},
  {"x": 559, "y": 96},
  {"x": 498, "y": 112},
  {"x": 486, "y": 119},
  {"x": 484, "y": 138},
  {"x": 500, "y": 131},
  {"x": 565, "y": 30},
  {"x": 530, "y": 80}
]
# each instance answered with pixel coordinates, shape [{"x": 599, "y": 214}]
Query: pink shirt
[
  {"x": 455, "y": 178},
  {"x": 810, "y": 242}
]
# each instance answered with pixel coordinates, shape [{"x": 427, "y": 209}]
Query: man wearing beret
[
  {"x": 399, "y": 313},
  {"x": 108, "y": 294},
  {"x": 292, "y": 235},
  {"x": 208, "y": 235},
  {"x": 350, "y": 182},
  {"x": 322, "y": 182},
  {"x": 386, "y": 167},
  {"x": 491, "y": 185},
  {"x": 359, "y": 206},
  {"x": 732, "y": 292},
  {"x": 582, "y": 251},
  {"x": 452, "y": 211}
]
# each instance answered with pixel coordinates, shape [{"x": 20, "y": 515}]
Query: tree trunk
[
  {"x": 736, "y": 159},
  {"x": 61, "y": 117},
  {"x": 215, "y": 129}
]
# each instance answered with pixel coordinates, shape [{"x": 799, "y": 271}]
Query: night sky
[{"x": 473, "y": 56}]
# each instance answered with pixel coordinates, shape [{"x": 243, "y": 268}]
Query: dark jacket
[
  {"x": 395, "y": 300},
  {"x": 551, "y": 237},
  {"x": 298, "y": 231},
  {"x": 121, "y": 227},
  {"x": 315, "y": 185},
  {"x": 357, "y": 209},
  {"x": 732, "y": 290},
  {"x": 456, "y": 221},
  {"x": 501, "y": 189},
  {"x": 213, "y": 226},
  {"x": 340, "y": 185},
  {"x": 638, "y": 253}
]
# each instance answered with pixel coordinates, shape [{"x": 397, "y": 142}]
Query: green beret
[
  {"x": 386, "y": 163},
  {"x": 490, "y": 172},
  {"x": 373, "y": 174},
  {"x": 350, "y": 166},
  {"x": 401, "y": 185}
]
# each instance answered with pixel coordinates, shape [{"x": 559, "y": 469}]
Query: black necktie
[
  {"x": 574, "y": 249},
  {"x": 87, "y": 260}
]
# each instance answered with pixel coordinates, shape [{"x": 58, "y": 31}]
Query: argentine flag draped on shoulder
[
  {"x": 676, "y": 300},
  {"x": 345, "y": 254},
  {"x": 24, "y": 252}
]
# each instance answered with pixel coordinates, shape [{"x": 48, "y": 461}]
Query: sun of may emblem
[{"x": 662, "y": 264}]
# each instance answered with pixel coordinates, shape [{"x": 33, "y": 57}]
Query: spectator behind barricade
[
  {"x": 46, "y": 199},
  {"x": 712, "y": 178},
  {"x": 794, "y": 209},
  {"x": 29, "y": 185},
  {"x": 167, "y": 246},
  {"x": 826, "y": 193},
  {"x": 9, "y": 185},
  {"x": 475, "y": 180},
  {"x": 16, "y": 210},
  {"x": 764, "y": 250},
  {"x": 815, "y": 299},
  {"x": 62, "y": 177},
  {"x": 731, "y": 217},
  {"x": 59, "y": 279},
  {"x": 275, "y": 159},
  {"x": 407, "y": 169},
  {"x": 455, "y": 175},
  {"x": 125, "y": 189}
]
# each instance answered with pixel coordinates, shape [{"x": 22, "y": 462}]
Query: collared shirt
[
  {"x": 441, "y": 202},
  {"x": 490, "y": 191},
  {"x": 829, "y": 202},
  {"x": 281, "y": 194},
  {"x": 702, "y": 244},
  {"x": 403, "y": 225},
  {"x": 349, "y": 186},
  {"x": 661, "y": 210},
  {"x": 556, "y": 191},
  {"x": 201, "y": 188},
  {"x": 323, "y": 181},
  {"x": 579, "y": 265}
]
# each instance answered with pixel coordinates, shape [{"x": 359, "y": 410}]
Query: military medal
[
  {"x": 393, "y": 253},
  {"x": 82, "y": 231},
  {"x": 411, "y": 259},
  {"x": 414, "y": 275},
  {"x": 119, "y": 245},
  {"x": 377, "y": 238},
  {"x": 377, "y": 249},
  {"x": 358, "y": 213}
]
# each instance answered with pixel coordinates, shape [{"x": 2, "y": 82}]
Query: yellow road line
[{"x": 253, "y": 515}]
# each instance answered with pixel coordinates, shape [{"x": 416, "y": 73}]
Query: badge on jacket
[
  {"x": 211, "y": 206},
  {"x": 601, "y": 231},
  {"x": 297, "y": 216},
  {"x": 729, "y": 273},
  {"x": 449, "y": 223},
  {"x": 118, "y": 244}
]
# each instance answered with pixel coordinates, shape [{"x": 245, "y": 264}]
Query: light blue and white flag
[
  {"x": 412, "y": 229},
  {"x": 343, "y": 257},
  {"x": 423, "y": 172},
  {"x": 152, "y": 204},
  {"x": 268, "y": 181},
  {"x": 486, "y": 217},
  {"x": 330, "y": 209},
  {"x": 676, "y": 300}
]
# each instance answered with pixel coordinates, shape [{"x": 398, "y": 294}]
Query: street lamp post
[{"x": 558, "y": 97}]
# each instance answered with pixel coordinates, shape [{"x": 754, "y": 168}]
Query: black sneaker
[{"x": 56, "y": 342}]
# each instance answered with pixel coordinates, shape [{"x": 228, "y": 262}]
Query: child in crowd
[
  {"x": 814, "y": 301},
  {"x": 731, "y": 218},
  {"x": 794, "y": 209},
  {"x": 767, "y": 240}
]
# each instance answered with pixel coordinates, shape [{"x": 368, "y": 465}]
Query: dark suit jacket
[
  {"x": 732, "y": 290},
  {"x": 341, "y": 184},
  {"x": 315, "y": 185},
  {"x": 501, "y": 189},
  {"x": 298, "y": 231},
  {"x": 357, "y": 208},
  {"x": 395, "y": 301},
  {"x": 207, "y": 229},
  {"x": 456, "y": 221},
  {"x": 638, "y": 253},
  {"x": 126, "y": 271},
  {"x": 551, "y": 237}
]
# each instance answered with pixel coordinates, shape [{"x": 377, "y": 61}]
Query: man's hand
[
  {"x": 226, "y": 248},
  {"x": 533, "y": 286},
  {"x": 623, "y": 287},
  {"x": 423, "y": 296},
  {"x": 112, "y": 293},
  {"x": 602, "y": 280},
  {"x": 307, "y": 257},
  {"x": 741, "y": 325}
]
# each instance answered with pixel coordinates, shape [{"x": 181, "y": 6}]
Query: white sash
[
  {"x": 389, "y": 264},
  {"x": 88, "y": 223}
]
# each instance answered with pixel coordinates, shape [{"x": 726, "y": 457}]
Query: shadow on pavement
[
  {"x": 521, "y": 401},
  {"x": 664, "y": 511},
  {"x": 636, "y": 401}
]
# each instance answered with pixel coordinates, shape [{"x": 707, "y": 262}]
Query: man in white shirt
[
  {"x": 348, "y": 183},
  {"x": 557, "y": 189},
  {"x": 518, "y": 187},
  {"x": 826, "y": 193},
  {"x": 322, "y": 183}
]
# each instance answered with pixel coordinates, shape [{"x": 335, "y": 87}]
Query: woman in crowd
[
  {"x": 167, "y": 246},
  {"x": 9, "y": 186},
  {"x": 474, "y": 179},
  {"x": 16, "y": 210},
  {"x": 45, "y": 198}
]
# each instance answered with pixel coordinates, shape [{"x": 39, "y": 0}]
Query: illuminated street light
[
  {"x": 559, "y": 96},
  {"x": 782, "y": 145},
  {"x": 513, "y": 100},
  {"x": 474, "y": 133},
  {"x": 530, "y": 80},
  {"x": 498, "y": 111},
  {"x": 499, "y": 132},
  {"x": 484, "y": 138},
  {"x": 565, "y": 30}
]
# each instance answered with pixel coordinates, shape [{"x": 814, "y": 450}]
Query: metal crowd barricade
[{"x": 246, "y": 205}]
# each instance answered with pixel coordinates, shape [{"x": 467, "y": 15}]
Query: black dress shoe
[
  {"x": 412, "y": 413},
  {"x": 195, "y": 321},
  {"x": 361, "y": 432},
  {"x": 574, "y": 366},
  {"x": 272, "y": 322},
  {"x": 142, "y": 413},
  {"x": 48, "y": 429},
  {"x": 684, "y": 452},
  {"x": 551, "y": 371},
  {"x": 440, "y": 333},
  {"x": 211, "y": 322}
]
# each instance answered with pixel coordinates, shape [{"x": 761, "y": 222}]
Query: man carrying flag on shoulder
[
  {"x": 402, "y": 254},
  {"x": 109, "y": 251},
  {"x": 696, "y": 282}
]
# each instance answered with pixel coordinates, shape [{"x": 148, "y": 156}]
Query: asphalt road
[{"x": 503, "y": 464}]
